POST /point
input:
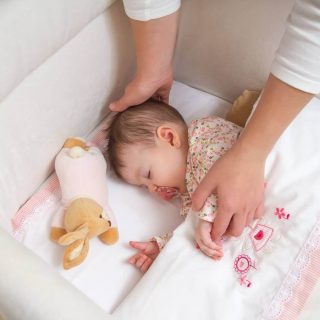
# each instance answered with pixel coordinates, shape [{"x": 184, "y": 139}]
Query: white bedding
[
  {"x": 184, "y": 284},
  {"x": 105, "y": 276}
]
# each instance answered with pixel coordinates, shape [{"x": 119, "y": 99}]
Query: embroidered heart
[{"x": 259, "y": 235}]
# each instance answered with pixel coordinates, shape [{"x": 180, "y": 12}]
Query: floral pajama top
[{"x": 209, "y": 138}]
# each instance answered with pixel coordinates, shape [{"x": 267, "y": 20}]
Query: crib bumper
[{"x": 31, "y": 290}]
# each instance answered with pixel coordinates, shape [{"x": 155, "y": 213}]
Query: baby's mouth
[{"x": 167, "y": 193}]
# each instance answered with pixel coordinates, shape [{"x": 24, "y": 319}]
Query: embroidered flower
[{"x": 280, "y": 213}]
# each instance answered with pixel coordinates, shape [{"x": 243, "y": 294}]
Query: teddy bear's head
[{"x": 86, "y": 211}]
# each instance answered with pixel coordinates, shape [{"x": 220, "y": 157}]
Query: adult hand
[
  {"x": 237, "y": 177},
  {"x": 154, "y": 42},
  {"x": 238, "y": 183},
  {"x": 140, "y": 90}
]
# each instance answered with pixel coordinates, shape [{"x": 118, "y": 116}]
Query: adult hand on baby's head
[
  {"x": 238, "y": 182},
  {"x": 140, "y": 90},
  {"x": 148, "y": 251}
]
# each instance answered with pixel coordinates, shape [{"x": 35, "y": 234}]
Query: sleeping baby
[{"x": 150, "y": 145}]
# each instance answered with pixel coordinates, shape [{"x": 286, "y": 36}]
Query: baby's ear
[{"x": 170, "y": 135}]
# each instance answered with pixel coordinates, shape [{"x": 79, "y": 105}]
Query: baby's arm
[{"x": 204, "y": 241}]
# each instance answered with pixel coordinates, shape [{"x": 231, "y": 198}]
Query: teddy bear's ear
[
  {"x": 73, "y": 142},
  {"x": 79, "y": 234},
  {"x": 75, "y": 253},
  {"x": 242, "y": 107}
]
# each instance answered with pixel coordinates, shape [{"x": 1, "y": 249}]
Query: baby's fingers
[
  {"x": 138, "y": 259},
  {"x": 212, "y": 253},
  {"x": 146, "y": 265},
  {"x": 141, "y": 261},
  {"x": 210, "y": 249},
  {"x": 134, "y": 258}
]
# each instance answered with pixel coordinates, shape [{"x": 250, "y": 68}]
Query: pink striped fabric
[
  {"x": 299, "y": 282},
  {"x": 309, "y": 277}
]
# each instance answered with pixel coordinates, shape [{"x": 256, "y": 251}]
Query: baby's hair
[{"x": 136, "y": 125}]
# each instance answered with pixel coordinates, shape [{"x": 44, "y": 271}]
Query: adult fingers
[
  {"x": 237, "y": 224},
  {"x": 130, "y": 98},
  {"x": 221, "y": 223},
  {"x": 163, "y": 93},
  {"x": 205, "y": 189},
  {"x": 250, "y": 217},
  {"x": 258, "y": 214}
]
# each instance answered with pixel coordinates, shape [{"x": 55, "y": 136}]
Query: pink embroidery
[
  {"x": 243, "y": 263},
  {"x": 260, "y": 235},
  {"x": 244, "y": 281},
  {"x": 281, "y": 214}
]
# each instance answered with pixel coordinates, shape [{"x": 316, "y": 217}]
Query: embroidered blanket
[{"x": 267, "y": 273}]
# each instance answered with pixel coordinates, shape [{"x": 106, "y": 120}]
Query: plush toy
[
  {"x": 242, "y": 107},
  {"x": 85, "y": 213}
]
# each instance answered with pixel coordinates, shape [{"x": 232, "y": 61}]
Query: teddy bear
[
  {"x": 85, "y": 212},
  {"x": 242, "y": 107}
]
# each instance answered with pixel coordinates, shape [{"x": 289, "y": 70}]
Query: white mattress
[{"x": 105, "y": 276}]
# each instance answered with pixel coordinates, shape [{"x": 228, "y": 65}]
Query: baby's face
[{"x": 161, "y": 165}]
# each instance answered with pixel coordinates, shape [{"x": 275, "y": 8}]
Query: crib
[{"x": 61, "y": 64}]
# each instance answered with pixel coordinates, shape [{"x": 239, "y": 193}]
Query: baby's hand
[
  {"x": 204, "y": 241},
  {"x": 166, "y": 193},
  {"x": 148, "y": 251}
]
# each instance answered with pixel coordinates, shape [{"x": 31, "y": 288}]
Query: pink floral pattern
[{"x": 209, "y": 138}]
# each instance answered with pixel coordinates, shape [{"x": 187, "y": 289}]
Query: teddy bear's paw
[
  {"x": 56, "y": 233},
  {"x": 75, "y": 253},
  {"x": 111, "y": 236}
]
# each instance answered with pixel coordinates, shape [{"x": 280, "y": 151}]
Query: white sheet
[
  {"x": 105, "y": 276},
  {"x": 184, "y": 284}
]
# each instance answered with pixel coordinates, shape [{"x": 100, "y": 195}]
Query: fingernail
[{"x": 113, "y": 107}]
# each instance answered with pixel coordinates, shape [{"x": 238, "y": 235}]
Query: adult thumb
[
  {"x": 132, "y": 97},
  {"x": 203, "y": 191},
  {"x": 119, "y": 105}
]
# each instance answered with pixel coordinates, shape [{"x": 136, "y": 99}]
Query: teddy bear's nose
[{"x": 76, "y": 152}]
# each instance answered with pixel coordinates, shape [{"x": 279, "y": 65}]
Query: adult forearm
[
  {"x": 155, "y": 42},
  {"x": 279, "y": 105}
]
